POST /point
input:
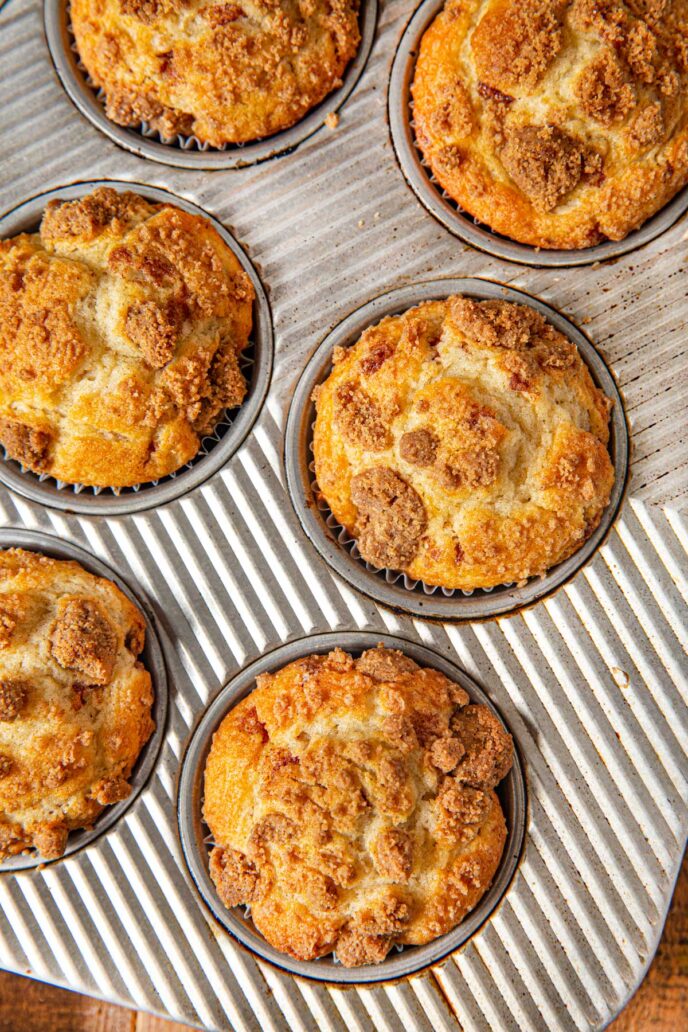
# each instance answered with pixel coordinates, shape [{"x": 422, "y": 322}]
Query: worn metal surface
[{"x": 592, "y": 680}]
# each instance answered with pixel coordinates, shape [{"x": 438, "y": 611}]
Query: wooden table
[{"x": 660, "y": 1005}]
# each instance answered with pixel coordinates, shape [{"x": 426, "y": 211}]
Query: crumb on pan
[{"x": 352, "y": 805}]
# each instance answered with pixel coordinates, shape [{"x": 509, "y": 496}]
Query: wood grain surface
[{"x": 660, "y": 1005}]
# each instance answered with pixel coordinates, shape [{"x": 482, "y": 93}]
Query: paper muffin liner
[
  {"x": 456, "y": 219},
  {"x": 197, "y": 840},
  {"x": 187, "y": 150},
  {"x": 337, "y": 547},
  {"x": 255, "y": 362},
  {"x": 152, "y": 658}
]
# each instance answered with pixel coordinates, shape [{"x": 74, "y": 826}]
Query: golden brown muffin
[
  {"x": 222, "y": 72},
  {"x": 121, "y": 328},
  {"x": 558, "y": 124},
  {"x": 74, "y": 699},
  {"x": 464, "y": 443},
  {"x": 352, "y": 805}
]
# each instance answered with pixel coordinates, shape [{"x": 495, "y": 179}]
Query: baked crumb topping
[
  {"x": 419, "y": 447},
  {"x": 603, "y": 91},
  {"x": 339, "y": 835},
  {"x": 547, "y": 163},
  {"x": 13, "y": 695},
  {"x": 27, "y": 444},
  {"x": 514, "y": 44},
  {"x": 360, "y": 418},
  {"x": 84, "y": 640},
  {"x": 391, "y": 517}
]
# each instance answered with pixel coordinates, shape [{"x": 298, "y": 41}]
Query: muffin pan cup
[
  {"x": 187, "y": 151},
  {"x": 151, "y": 657},
  {"x": 215, "y": 449},
  {"x": 408, "y": 960},
  {"x": 336, "y": 546},
  {"x": 446, "y": 210}
]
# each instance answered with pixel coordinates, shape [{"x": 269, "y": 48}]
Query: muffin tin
[
  {"x": 449, "y": 213},
  {"x": 151, "y": 657},
  {"x": 194, "y": 832},
  {"x": 335, "y": 544},
  {"x": 591, "y": 681},
  {"x": 216, "y": 449},
  {"x": 187, "y": 151}
]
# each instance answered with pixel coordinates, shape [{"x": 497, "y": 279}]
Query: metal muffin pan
[
  {"x": 338, "y": 549},
  {"x": 215, "y": 449},
  {"x": 593, "y": 681},
  {"x": 194, "y": 832},
  {"x": 188, "y": 152},
  {"x": 152, "y": 659},
  {"x": 438, "y": 202}
]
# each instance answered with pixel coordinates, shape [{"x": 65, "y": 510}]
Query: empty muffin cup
[
  {"x": 151, "y": 657},
  {"x": 187, "y": 151},
  {"x": 461, "y": 223},
  {"x": 196, "y": 845},
  {"x": 336, "y": 545},
  {"x": 216, "y": 448}
]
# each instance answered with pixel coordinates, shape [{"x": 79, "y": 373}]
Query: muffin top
[
  {"x": 222, "y": 72},
  {"x": 464, "y": 443},
  {"x": 558, "y": 123},
  {"x": 74, "y": 699},
  {"x": 121, "y": 327},
  {"x": 352, "y": 805}
]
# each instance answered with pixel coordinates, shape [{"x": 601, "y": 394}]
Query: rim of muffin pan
[
  {"x": 152, "y": 658},
  {"x": 449, "y": 213},
  {"x": 337, "y": 547},
  {"x": 195, "y": 837},
  {"x": 215, "y": 449},
  {"x": 186, "y": 151}
]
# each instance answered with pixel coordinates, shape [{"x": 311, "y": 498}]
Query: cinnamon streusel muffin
[
  {"x": 559, "y": 123},
  {"x": 352, "y": 805},
  {"x": 463, "y": 442},
  {"x": 121, "y": 328},
  {"x": 222, "y": 72},
  {"x": 75, "y": 702}
]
